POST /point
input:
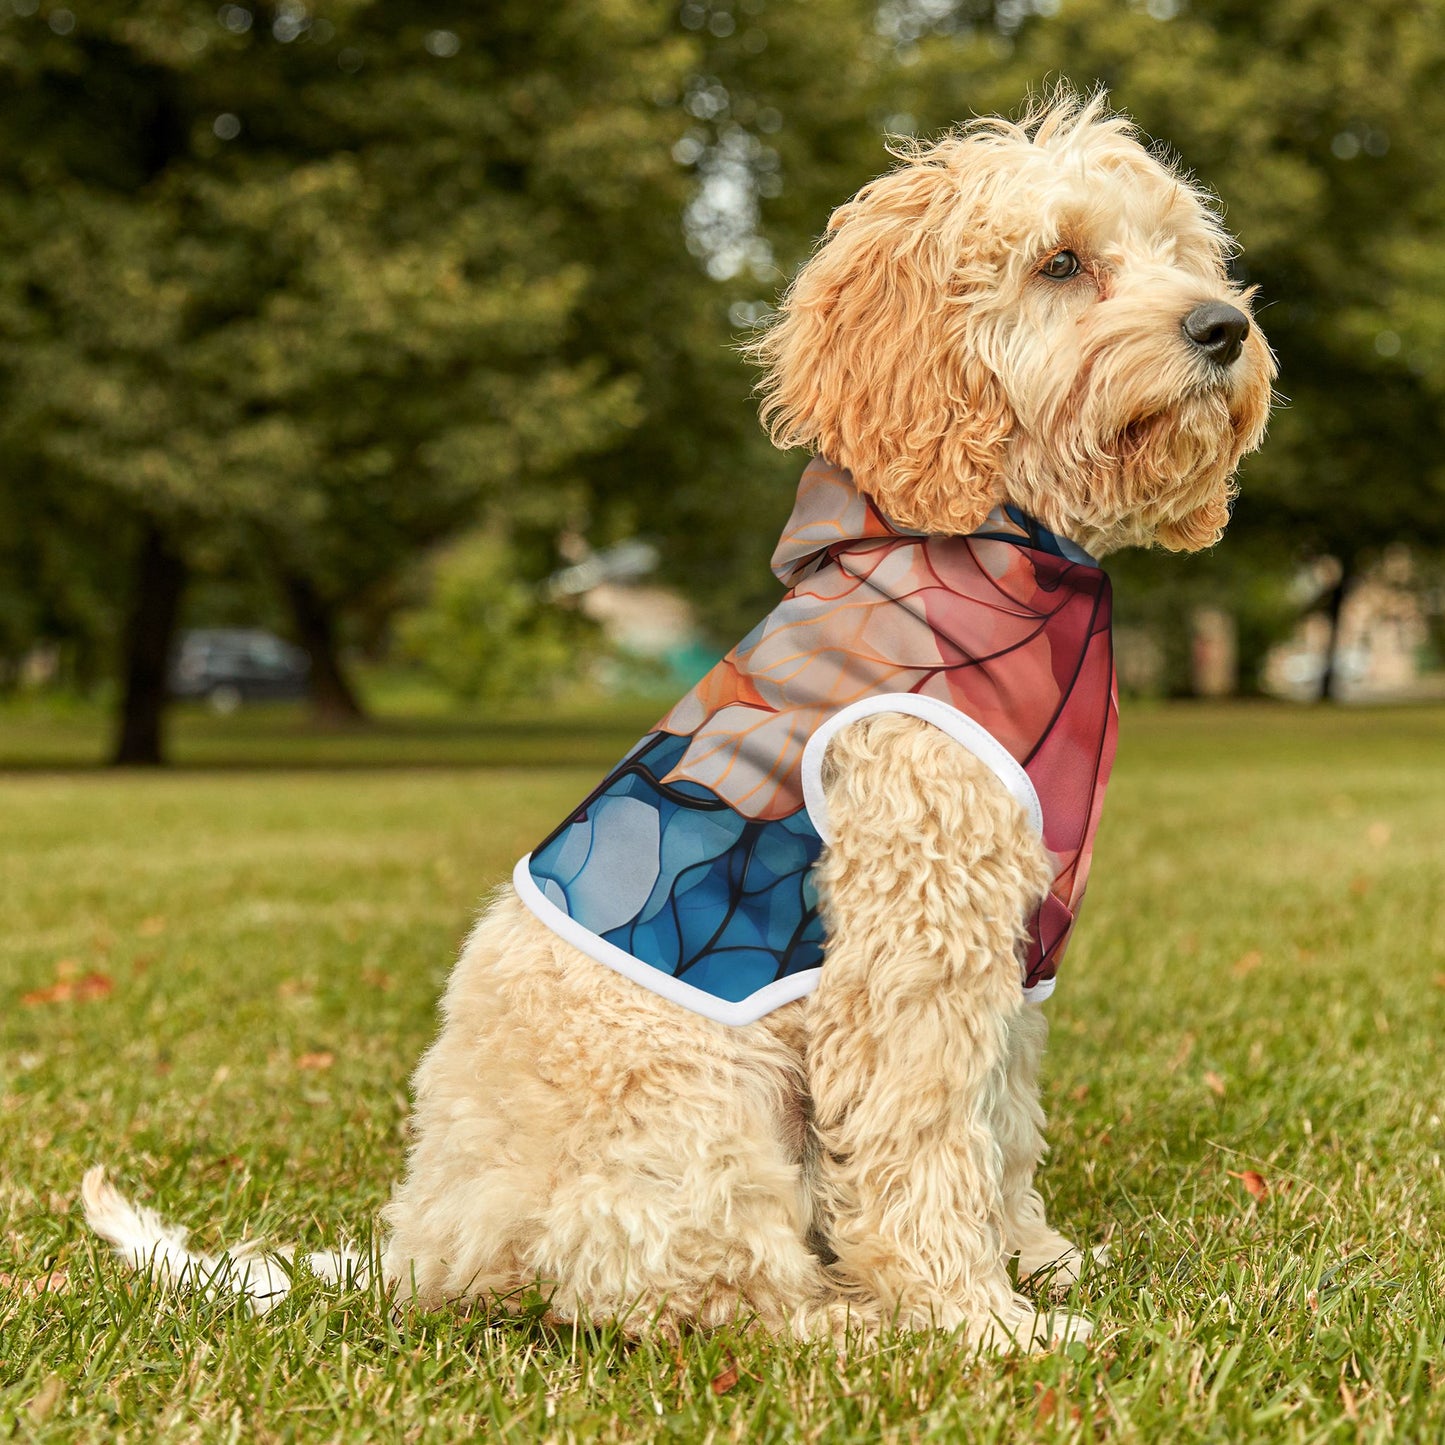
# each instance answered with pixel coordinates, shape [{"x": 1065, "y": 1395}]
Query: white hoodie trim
[
  {"x": 958, "y": 725},
  {"x": 944, "y": 716},
  {"x": 749, "y": 1010}
]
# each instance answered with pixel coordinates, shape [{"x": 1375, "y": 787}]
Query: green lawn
[{"x": 252, "y": 958}]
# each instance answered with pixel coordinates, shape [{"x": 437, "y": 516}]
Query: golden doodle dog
[{"x": 756, "y": 1031}]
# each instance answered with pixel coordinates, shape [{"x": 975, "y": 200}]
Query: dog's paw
[
  {"x": 1060, "y": 1327},
  {"x": 1023, "y": 1326},
  {"x": 1058, "y": 1271}
]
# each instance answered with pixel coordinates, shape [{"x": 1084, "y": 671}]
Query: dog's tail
[{"x": 147, "y": 1243}]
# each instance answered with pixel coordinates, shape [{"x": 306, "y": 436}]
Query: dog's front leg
[{"x": 926, "y": 885}]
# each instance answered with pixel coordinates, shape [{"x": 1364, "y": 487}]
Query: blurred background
[{"x": 366, "y": 362}]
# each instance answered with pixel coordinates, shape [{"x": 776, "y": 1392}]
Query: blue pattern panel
[{"x": 672, "y": 875}]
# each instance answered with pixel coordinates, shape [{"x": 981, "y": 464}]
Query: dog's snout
[{"x": 1218, "y": 330}]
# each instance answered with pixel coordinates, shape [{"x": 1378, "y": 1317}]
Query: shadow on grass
[{"x": 284, "y": 738}]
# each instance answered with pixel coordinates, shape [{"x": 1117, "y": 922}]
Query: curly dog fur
[{"x": 865, "y": 1156}]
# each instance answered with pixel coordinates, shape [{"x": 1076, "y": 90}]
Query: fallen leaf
[
  {"x": 151, "y": 927},
  {"x": 1440, "y": 980},
  {"x": 1214, "y": 1083},
  {"x": 56, "y": 1282},
  {"x": 56, "y": 993},
  {"x": 67, "y": 968},
  {"x": 1046, "y": 1408},
  {"x": 1248, "y": 962},
  {"x": 322, "y": 1059},
  {"x": 1181, "y": 1054},
  {"x": 724, "y": 1382},
  {"x": 66, "y": 990},
  {"x": 1378, "y": 834},
  {"x": 1080, "y": 1094},
  {"x": 1254, "y": 1183}
]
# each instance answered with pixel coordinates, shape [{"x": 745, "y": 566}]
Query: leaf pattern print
[{"x": 694, "y": 855}]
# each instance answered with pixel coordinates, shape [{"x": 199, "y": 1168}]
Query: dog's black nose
[{"x": 1218, "y": 330}]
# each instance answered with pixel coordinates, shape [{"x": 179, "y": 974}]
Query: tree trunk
[
  {"x": 1329, "y": 675},
  {"x": 333, "y": 699},
  {"x": 160, "y": 578}
]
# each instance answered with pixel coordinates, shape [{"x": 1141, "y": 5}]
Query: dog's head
[{"x": 1036, "y": 312}]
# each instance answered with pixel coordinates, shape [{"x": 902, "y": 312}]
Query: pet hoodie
[{"x": 689, "y": 867}]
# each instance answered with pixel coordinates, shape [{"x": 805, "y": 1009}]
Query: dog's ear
[{"x": 874, "y": 360}]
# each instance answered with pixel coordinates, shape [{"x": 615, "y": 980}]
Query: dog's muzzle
[{"x": 1218, "y": 330}]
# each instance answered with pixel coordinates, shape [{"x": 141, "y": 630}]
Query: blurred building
[
  {"x": 1382, "y": 652},
  {"x": 656, "y": 642}
]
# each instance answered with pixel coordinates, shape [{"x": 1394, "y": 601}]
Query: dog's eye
[{"x": 1060, "y": 266}]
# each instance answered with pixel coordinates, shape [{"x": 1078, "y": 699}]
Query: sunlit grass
[{"x": 253, "y": 959}]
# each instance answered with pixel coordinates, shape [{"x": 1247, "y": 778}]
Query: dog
[{"x": 1014, "y": 353}]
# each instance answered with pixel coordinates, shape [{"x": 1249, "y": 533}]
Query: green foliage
[
  {"x": 324, "y": 286},
  {"x": 486, "y": 634},
  {"x": 318, "y": 288},
  {"x": 1251, "y": 988},
  {"x": 61, "y": 552},
  {"x": 302, "y": 296},
  {"x": 779, "y": 117}
]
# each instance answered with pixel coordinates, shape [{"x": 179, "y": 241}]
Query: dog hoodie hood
[{"x": 689, "y": 867}]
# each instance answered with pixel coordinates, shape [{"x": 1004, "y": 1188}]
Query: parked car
[{"x": 228, "y": 666}]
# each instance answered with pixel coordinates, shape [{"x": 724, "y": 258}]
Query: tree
[
  {"x": 320, "y": 288},
  {"x": 329, "y": 287},
  {"x": 778, "y": 118},
  {"x": 293, "y": 284}
]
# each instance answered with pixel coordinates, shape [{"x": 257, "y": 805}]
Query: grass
[{"x": 230, "y": 973}]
